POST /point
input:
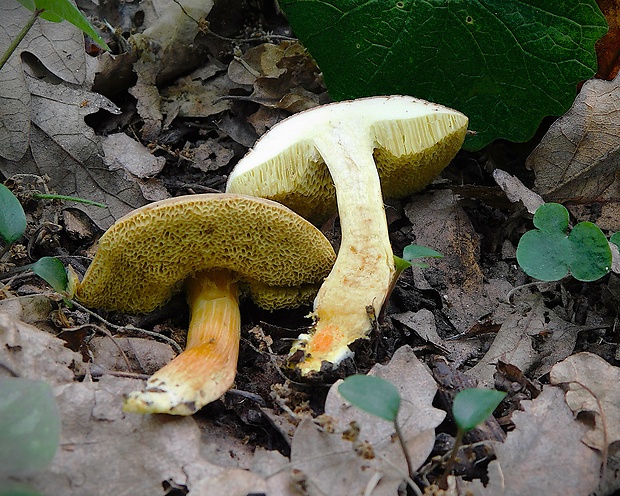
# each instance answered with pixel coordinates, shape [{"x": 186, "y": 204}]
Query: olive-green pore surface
[{"x": 144, "y": 257}]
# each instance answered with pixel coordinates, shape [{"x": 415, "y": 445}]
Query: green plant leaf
[
  {"x": 59, "y": 10},
  {"x": 52, "y": 271},
  {"x": 10, "y": 488},
  {"x": 591, "y": 253},
  {"x": 12, "y": 216},
  {"x": 416, "y": 251},
  {"x": 473, "y": 406},
  {"x": 29, "y": 425},
  {"x": 615, "y": 239},
  {"x": 549, "y": 253},
  {"x": 505, "y": 64},
  {"x": 372, "y": 394},
  {"x": 401, "y": 264}
]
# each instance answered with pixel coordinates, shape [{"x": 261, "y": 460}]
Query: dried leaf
[
  {"x": 123, "y": 152},
  {"x": 593, "y": 384},
  {"x": 532, "y": 338},
  {"x": 27, "y": 352},
  {"x": 578, "y": 156},
  {"x": 58, "y": 46},
  {"x": 333, "y": 465},
  {"x": 516, "y": 191},
  {"x": 140, "y": 355},
  {"x": 543, "y": 454},
  {"x": 68, "y": 151},
  {"x": 440, "y": 223}
]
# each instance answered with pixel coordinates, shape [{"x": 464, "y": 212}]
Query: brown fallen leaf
[
  {"x": 58, "y": 46},
  {"x": 532, "y": 338},
  {"x": 102, "y": 448},
  {"x": 543, "y": 454},
  {"x": 64, "y": 148},
  {"x": 593, "y": 387},
  {"x": 439, "y": 222},
  {"x": 27, "y": 352},
  {"x": 578, "y": 157},
  {"x": 125, "y": 354},
  {"x": 375, "y": 464}
]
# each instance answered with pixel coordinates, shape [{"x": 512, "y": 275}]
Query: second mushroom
[
  {"x": 213, "y": 246},
  {"x": 350, "y": 151}
]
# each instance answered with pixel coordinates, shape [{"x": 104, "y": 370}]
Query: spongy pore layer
[{"x": 144, "y": 257}]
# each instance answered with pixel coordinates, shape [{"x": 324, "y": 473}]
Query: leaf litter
[{"x": 199, "y": 100}]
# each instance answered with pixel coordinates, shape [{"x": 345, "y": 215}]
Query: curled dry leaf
[
  {"x": 593, "y": 384},
  {"x": 516, "y": 191},
  {"x": 578, "y": 156}
]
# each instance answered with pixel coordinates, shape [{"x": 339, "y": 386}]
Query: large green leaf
[
  {"x": 504, "y": 63},
  {"x": 59, "y": 10}
]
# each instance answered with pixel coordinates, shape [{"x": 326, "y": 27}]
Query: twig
[{"x": 157, "y": 335}]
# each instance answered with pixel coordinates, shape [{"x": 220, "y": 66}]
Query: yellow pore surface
[
  {"x": 409, "y": 154},
  {"x": 145, "y": 256}
]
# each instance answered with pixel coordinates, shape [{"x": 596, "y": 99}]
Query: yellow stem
[{"x": 207, "y": 367}]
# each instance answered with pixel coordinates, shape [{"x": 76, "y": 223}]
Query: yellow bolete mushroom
[
  {"x": 340, "y": 151},
  {"x": 213, "y": 245}
]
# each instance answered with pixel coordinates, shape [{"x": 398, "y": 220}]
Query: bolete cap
[
  {"x": 413, "y": 141},
  {"x": 144, "y": 257}
]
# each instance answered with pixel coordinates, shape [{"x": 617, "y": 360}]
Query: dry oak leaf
[
  {"x": 59, "y": 47},
  {"x": 532, "y": 338},
  {"x": 374, "y": 464},
  {"x": 593, "y": 384},
  {"x": 578, "y": 156},
  {"x": 543, "y": 454}
]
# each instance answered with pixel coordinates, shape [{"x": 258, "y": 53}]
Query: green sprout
[
  {"x": 380, "y": 398},
  {"x": 13, "y": 227},
  {"x": 550, "y": 252},
  {"x": 471, "y": 407}
]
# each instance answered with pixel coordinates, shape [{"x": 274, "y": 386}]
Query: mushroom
[
  {"x": 213, "y": 245},
  {"x": 341, "y": 150}
]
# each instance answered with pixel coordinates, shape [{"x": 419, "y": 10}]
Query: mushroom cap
[
  {"x": 145, "y": 256},
  {"x": 413, "y": 141}
]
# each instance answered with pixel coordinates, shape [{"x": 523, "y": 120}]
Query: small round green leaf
[
  {"x": 473, "y": 406},
  {"x": 12, "y": 216},
  {"x": 549, "y": 253},
  {"x": 52, "y": 271},
  {"x": 552, "y": 217},
  {"x": 372, "y": 394},
  {"x": 29, "y": 425},
  {"x": 615, "y": 239},
  {"x": 591, "y": 253},
  {"x": 544, "y": 255}
]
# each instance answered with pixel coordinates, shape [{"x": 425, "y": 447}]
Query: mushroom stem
[
  {"x": 206, "y": 369},
  {"x": 364, "y": 268}
]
